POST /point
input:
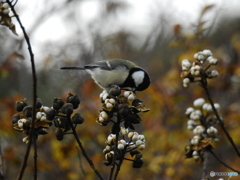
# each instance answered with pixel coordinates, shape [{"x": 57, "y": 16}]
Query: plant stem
[
  {"x": 35, "y": 156},
  {"x": 83, "y": 150},
  {"x": 34, "y": 76},
  {"x": 220, "y": 121},
  {"x": 226, "y": 165}
]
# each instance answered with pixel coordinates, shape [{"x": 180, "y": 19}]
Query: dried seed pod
[
  {"x": 123, "y": 110},
  {"x": 57, "y": 103},
  {"x": 15, "y": 118},
  {"x": 59, "y": 134},
  {"x": 19, "y": 105},
  {"x": 67, "y": 109},
  {"x": 27, "y": 111},
  {"x": 38, "y": 103},
  {"x": 138, "y": 163},
  {"x": 74, "y": 100},
  {"x": 42, "y": 131},
  {"x": 77, "y": 119},
  {"x": 115, "y": 91},
  {"x": 51, "y": 113}
]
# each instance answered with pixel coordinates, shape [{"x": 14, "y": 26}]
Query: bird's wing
[{"x": 99, "y": 64}]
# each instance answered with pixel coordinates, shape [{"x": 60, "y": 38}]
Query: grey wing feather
[{"x": 99, "y": 64}]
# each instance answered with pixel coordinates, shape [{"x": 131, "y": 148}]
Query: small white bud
[
  {"x": 212, "y": 60},
  {"x": 141, "y": 147},
  {"x": 120, "y": 145},
  {"x": 189, "y": 111},
  {"x": 5, "y": 5},
  {"x": 126, "y": 94},
  {"x": 131, "y": 97},
  {"x": 44, "y": 108},
  {"x": 195, "y": 115},
  {"x": 191, "y": 122},
  {"x": 213, "y": 74},
  {"x": 212, "y": 130},
  {"x": 195, "y": 153},
  {"x": 199, "y": 102},
  {"x": 38, "y": 115},
  {"x": 108, "y": 148},
  {"x": 207, "y": 52},
  {"x": 190, "y": 127},
  {"x": 103, "y": 115},
  {"x": 141, "y": 137},
  {"x": 109, "y": 105},
  {"x": 199, "y": 130},
  {"x": 6, "y": 11},
  {"x": 186, "y": 64},
  {"x": 43, "y": 118},
  {"x": 123, "y": 131},
  {"x": 25, "y": 139},
  {"x": 195, "y": 140},
  {"x": 139, "y": 142},
  {"x": 130, "y": 135},
  {"x": 135, "y": 136},
  {"x": 217, "y": 106}
]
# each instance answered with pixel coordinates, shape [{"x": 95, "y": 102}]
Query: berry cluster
[
  {"x": 136, "y": 142},
  {"x": 5, "y": 18},
  {"x": 60, "y": 115},
  {"x": 199, "y": 70},
  {"x": 122, "y": 110},
  {"x": 201, "y": 120}
]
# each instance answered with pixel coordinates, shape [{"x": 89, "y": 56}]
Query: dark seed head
[
  {"x": 51, "y": 113},
  {"x": 138, "y": 163},
  {"x": 74, "y": 100},
  {"x": 59, "y": 134},
  {"x": 77, "y": 119},
  {"x": 115, "y": 91},
  {"x": 38, "y": 103},
  {"x": 57, "y": 103},
  {"x": 67, "y": 109},
  {"x": 123, "y": 110},
  {"x": 19, "y": 105},
  {"x": 15, "y": 118},
  {"x": 27, "y": 111}
]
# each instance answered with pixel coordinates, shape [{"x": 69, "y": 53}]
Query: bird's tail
[{"x": 73, "y": 68}]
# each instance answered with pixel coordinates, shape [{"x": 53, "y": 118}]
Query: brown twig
[
  {"x": 34, "y": 76},
  {"x": 223, "y": 163},
  {"x": 219, "y": 120},
  {"x": 83, "y": 150}
]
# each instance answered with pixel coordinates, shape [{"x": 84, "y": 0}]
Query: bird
[{"x": 116, "y": 72}]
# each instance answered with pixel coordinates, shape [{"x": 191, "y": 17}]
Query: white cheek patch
[{"x": 138, "y": 77}]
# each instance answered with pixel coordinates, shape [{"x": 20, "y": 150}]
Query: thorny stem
[
  {"x": 82, "y": 149},
  {"x": 219, "y": 119},
  {"x": 226, "y": 165},
  {"x": 34, "y": 76}
]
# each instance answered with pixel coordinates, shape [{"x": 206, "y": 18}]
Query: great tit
[{"x": 116, "y": 72}]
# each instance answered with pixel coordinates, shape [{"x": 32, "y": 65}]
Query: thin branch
[
  {"x": 83, "y": 150},
  {"x": 35, "y": 156},
  {"x": 2, "y": 170},
  {"x": 205, "y": 164},
  {"x": 80, "y": 163},
  {"x": 34, "y": 76},
  {"x": 220, "y": 121},
  {"x": 223, "y": 163}
]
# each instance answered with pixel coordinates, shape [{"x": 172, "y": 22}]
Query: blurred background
[{"x": 155, "y": 34}]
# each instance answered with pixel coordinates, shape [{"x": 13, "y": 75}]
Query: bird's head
[{"x": 138, "y": 79}]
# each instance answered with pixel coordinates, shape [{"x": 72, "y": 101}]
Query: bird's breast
[{"x": 105, "y": 78}]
